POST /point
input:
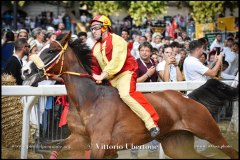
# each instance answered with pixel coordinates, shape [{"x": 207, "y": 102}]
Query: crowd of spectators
[{"x": 170, "y": 56}]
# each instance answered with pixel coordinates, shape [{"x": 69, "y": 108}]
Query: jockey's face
[{"x": 96, "y": 30}]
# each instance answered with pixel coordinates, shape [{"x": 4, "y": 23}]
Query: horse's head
[{"x": 46, "y": 63}]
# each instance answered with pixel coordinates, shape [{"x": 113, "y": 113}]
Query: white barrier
[{"x": 54, "y": 90}]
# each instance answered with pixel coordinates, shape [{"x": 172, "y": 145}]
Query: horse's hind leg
[
  {"x": 206, "y": 128},
  {"x": 180, "y": 145}
]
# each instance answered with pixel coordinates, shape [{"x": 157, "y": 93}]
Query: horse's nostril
[{"x": 26, "y": 72}]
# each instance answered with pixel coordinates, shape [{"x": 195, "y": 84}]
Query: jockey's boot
[{"x": 154, "y": 131}]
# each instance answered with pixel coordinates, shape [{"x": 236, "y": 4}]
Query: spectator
[
  {"x": 136, "y": 43},
  {"x": 142, "y": 39},
  {"x": 203, "y": 59},
  {"x": 157, "y": 43},
  {"x": 232, "y": 57},
  {"x": 230, "y": 35},
  {"x": 83, "y": 18},
  {"x": 7, "y": 48},
  {"x": 205, "y": 45},
  {"x": 61, "y": 29},
  {"x": 193, "y": 69},
  {"x": 82, "y": 36},
  {"x": 125, "y": 36},
  {"x": 149, "y": 36},
  {"x": 38, "y": 35},
  {"x": 183, "y": 54},
  {"x": 155, "y": 58},
  {"x": 50, "y": 29},
  {"x": 146, "y": 67},
  {"x": 90, "y": 41},
  {"x": 22, "y": 34},
  {"x": 50, "y": 36},
  {"x": 168, "y": 69},
  {"x": 175, "y": 51},
  {"x": 217, "y": 42},
  {"x": 211, "y": 59},
  {"x": 184, "y": 36},
  {"x": 160, "y": 54},
  {"x": 14, "y": 65},
  {"x": 167, "y": 41},
  {"x": 33, "y": 46}
]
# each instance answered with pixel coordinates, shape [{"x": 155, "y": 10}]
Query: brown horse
[{"x": 99, "y": 120}]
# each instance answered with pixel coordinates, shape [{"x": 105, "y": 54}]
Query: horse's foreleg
[
  {"x": 100, "y": 143},
  {"x": 74, "y": 147},
  {"x": 180, "y": 145}
]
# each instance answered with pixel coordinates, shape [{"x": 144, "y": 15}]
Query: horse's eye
[{"x": 51, "y": 51}]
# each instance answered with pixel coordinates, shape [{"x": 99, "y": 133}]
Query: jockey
[{"x": 113, "y": 61}]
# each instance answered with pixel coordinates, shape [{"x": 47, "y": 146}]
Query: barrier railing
[{"x": 54, "y": 90}]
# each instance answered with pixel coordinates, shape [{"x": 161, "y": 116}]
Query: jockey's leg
[{"x": 126, "y": 85}]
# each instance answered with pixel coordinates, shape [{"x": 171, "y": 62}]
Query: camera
[{"x": 218, "y": 49}]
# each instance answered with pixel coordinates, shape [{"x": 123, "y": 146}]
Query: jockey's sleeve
[
  {"x": 96, "y": 69},
  {"x": 119, "y": 54}
]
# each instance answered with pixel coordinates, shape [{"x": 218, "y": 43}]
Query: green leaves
[
  {"x": 105, "y": 7},
  {"x": 204, "y": 11},
  {"x": 137, "y": 9},
  {"x": 150, "y": 9}
]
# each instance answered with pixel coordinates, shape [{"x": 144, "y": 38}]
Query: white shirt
[
  {"x": 155, "y": 45},
  {"x": 232, "y": 59},
  {"x": 216, "y": 44},
  {"x": 39, "y": 45},
  {"x": 134, "y": 51},
  {"x": 172, "y": 70},
  {"x": 194, "y": 70},
  {"x": 90, "y": 43}
]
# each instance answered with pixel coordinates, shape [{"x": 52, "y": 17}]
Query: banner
[
  {"x": 227, "y": 24},
  {"x": 203, "y": 28}
]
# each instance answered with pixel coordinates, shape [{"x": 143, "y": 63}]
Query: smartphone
[{"x": 218, "y": 50}]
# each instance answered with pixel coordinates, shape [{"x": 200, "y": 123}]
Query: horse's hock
[{"x": 12, "y": 113}]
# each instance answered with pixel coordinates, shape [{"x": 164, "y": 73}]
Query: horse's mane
[{"x": 84, "y": 54}]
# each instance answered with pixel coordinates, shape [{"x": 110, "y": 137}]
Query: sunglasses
[
  {"x": 28, "y": 46},
  {"x": 95, "y": 28}
]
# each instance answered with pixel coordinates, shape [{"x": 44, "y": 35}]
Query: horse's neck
[{"x": 78, "y": 88}]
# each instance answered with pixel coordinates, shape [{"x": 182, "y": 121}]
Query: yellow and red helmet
[{"x": 102, "y": 19}]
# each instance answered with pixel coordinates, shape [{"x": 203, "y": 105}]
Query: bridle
[{"x": 57, "y": 59}]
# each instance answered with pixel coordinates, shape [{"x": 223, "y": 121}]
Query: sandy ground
[{"x": 211, "y": 152}]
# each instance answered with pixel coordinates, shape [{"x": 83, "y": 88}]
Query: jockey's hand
[{"x": 100, "y": 77}]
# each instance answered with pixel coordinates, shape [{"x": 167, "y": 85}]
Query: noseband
[{"x": 40, "y": 65}]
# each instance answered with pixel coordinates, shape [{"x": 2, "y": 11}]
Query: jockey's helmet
[{"x": 102, "y": 19}]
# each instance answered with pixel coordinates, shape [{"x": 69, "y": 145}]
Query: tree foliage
[
  {"x": 105, "y": 7},
  {"x": 136, "y": 9},
  {"x": 20, "y": 3},
  {"x": 140, "y": 9},
  {"x": 205, "y": 11}
]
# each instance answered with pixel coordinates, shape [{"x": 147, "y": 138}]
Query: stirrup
[{"x": 154, "y": 131}]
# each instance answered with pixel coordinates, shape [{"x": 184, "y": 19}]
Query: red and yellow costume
[{"x": 112, "y": 56}]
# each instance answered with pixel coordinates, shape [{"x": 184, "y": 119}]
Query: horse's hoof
[
  {"x": 53, "y": 155},
  {"x": 154, "y": 132}
]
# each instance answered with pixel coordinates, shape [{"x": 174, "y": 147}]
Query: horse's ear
[{"x": 66, "y": 38}]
